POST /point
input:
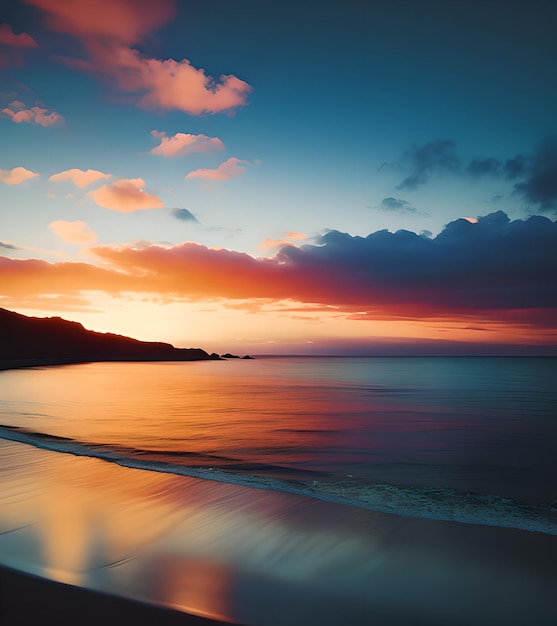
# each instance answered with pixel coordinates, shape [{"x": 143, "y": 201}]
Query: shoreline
[
  {"x": 13, "y": 364},
  {"x": 27, "y": 600}
]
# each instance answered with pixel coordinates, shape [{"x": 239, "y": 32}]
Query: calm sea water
[
  {"x": 433, "y": 441},
  {"x": 483, "y": 425}
]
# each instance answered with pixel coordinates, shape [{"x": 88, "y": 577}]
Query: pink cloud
[
  {"x": 16, "y": 176},
  {"x": 182, "y": 144},
  {"x": 77, "y": 232},
  {"x": 229, "y": 169},
  {"x": 79, "y": 177},
  {"x": 35, "y": 114},
  {"x": 125, "y": 21},
  {"x": 9, "y": 38},
  {"x": 108, "y": 29},
  {"x": 125, "y": 196}
]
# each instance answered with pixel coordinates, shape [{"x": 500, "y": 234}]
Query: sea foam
[{"x": 430, "y": 503}]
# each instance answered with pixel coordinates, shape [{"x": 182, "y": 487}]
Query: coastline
[
  {"x": 48, "y": 362},
  {"x": 26, "y": 600}
]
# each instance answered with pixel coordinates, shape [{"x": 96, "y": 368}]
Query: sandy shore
[
  {"x": 29, "y": 600},
  {"x": 251, "y": 556}
]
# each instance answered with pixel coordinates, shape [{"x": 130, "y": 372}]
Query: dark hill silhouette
[{"x": 28, "y": 341}]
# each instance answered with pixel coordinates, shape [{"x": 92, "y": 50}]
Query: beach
[
  {"x": 250, "y": 556},
  {"x": 308, "y": 492}
]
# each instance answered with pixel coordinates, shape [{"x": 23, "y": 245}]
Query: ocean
[{"x": 290, "y": 490}]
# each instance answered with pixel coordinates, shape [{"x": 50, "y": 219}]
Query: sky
[{"x": 308, "y": 177}]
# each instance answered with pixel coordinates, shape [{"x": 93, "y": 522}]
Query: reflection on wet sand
[{"x": 259, "y": 557}]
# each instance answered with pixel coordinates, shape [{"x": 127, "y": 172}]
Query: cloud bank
[{"x": 491, "y": 270}]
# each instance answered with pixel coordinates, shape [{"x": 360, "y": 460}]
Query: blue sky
[{"x": 355, "y": 117}]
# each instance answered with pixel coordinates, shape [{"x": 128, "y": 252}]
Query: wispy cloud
[
  {"x": 16, "y": 176},
  {"x": 108, "y": 30},
  {"x": 8, "y": 246},
  {"x": 76, "y": 232},
  {"x": 229, "y": 169},
  {"x": 429, "y": 159},
  {"x": 9, "y": 38},
  {"x": 78, "y": 177},
  {"x": 35, "y": 114},
  {"x": 125, "y": 196},
  {"x": 182, "y": 144}
]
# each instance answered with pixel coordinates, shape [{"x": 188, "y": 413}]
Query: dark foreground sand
[{"x": 28, "y": 600}]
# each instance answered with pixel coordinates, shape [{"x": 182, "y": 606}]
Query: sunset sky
[{"x": 283, "y": 177}]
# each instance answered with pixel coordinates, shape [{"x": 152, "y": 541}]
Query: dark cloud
[
  {"x": 8, "y": 246},
  {"x": 511, "y": 169},
  {"x": 535, "y": 175},
  {"x": 540, "y": 185},
  {"x": 491, "y": 270},
  {"x": 489, "y": 265},
  {"x": 431, "y": 158},
  {"x": 184, "y": 215},
  {"x": 514, "y": 168},
  {"x": 396, "y": 206}
]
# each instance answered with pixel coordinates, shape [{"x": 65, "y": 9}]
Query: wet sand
[
  {"x": 27, "y": 600},
  {"x": 244, "y": 555}
]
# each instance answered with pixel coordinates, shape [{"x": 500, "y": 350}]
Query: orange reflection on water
[
  {"x": 214, "y": 409},
  {"x": 93, "y": 524}
]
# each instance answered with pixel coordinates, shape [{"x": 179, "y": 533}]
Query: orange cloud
[
  {"x": 182, "y": 144},
  {"x": 229, "y": 169},
  {"x": 293, "y": 235},
  {"x": 108, "y": 29},
  {"x": 270, "y": 244},
  {"x": 80, "y": 178},
  {"x": 9, "y": 38},
  {"x": 125, "y": 196},
  {"x": 35, "y": 114},
  {"x": 16, "y": 176},
  {"x": 504, "y": 285},
  {"x": 77, "y": 232}
]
